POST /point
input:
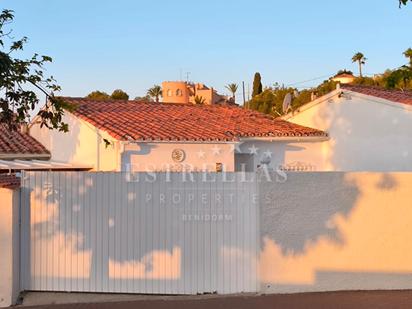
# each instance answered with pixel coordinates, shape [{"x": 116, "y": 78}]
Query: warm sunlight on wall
[
  {"x": 369, "y": 235},
  {"x": 159, "y": 264},
  {"x": 67, "y": 261}
]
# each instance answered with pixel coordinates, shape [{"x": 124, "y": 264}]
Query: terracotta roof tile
[
  {"x": 15, "y": 142},
  {"x": 9, "y": 181},
  {"x": 148, "y": 121},
  {"x": 399, "y": 96}
]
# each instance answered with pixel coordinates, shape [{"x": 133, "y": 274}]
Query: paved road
[{"x": 335, "y": 300}]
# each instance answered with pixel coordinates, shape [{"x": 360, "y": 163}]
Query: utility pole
[
  {"x": 187, "y": 76},
  {"x": 243, "y": 91}
]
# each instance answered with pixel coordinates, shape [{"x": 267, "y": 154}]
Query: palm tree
[
  {"x": 360, "y": 59},
  {"x": 155, "y": 92},
  {"x": 232, "y": 88},
  {"x": 408, "y": 54},
  {"x": 200, "y": 100}
]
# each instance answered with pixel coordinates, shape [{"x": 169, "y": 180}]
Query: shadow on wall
[
  {"x": 334, "y": 231},
  {"x": 138, "y": 151},
  {"x": 303, "y": 213},
  {"x": 365, "y": 135},
  {"x": 108, "y": 232}
]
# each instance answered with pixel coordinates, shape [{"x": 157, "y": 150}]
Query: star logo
[
  {"x": 201, "y": 154},
  {"x": 216, "y": 150},
  {"x": 253, "y": 150},
  {"x": 268, "y": 154},
  {"x": 235, "y": 148}
]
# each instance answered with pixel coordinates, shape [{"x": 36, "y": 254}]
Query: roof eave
[
  {"x": 314, "y": 138},
  {"x": 180, "y": 141},
  {"x": 24, "y": 156}
]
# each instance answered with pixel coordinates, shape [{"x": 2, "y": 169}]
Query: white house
[
  {"x": 138, "y": 136},
  {"x": 369, "y": 129},
  {"x": 20, "y": 151}
]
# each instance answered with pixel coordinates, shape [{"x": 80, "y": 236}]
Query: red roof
[
  {"x": 9, "y": 181},
  {"x": 399, "y": 96},
  {"x": 13, "y": 142},
  {"x": 149, "y": 121}
]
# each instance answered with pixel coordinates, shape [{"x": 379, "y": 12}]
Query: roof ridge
[{"x": 374, "y": 87}]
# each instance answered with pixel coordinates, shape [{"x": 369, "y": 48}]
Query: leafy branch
[{"x": 19, "y": 76}]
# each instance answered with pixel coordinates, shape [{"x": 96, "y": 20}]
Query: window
[
  {"x": 178, "y": 92},
  {"x": 169, "y": 93}
]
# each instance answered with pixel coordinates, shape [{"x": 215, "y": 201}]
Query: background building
[{"x": 184, "y": 92}]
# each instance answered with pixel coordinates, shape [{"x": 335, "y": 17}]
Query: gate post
[{"x": 9, "y": 246}]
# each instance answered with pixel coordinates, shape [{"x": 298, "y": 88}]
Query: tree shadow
[
  {"x": 295, "y": 216},
  {"x": 121, "y": 232}
]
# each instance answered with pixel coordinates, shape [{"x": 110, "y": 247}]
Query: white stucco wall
[
  {"x": 158, "y": 156},
  {"x": 204, "y": 156},
  {"x": 287, "y": 154},
  {"x": 366, "y": 133},
  {"x": 83, "y": 144},
  {"x": 336, "y": 231},
  {"x": 9, "y": 247}
]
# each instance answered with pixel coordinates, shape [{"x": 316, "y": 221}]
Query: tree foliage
[
  {"x": 232, "y": 88},
  {"x": 399, "y": 79},
  {"x": 360, "y": 59},
  {"x": 408, "y": 54},
  {"x": 403, "y": 2},
  {"x": 119, "y": 94},
  {"x": 145, "y": 98},
  {"x": 257, "y": 85},
  {"x": 18, "y": 78},
  {"x": 155, "y": 92},
  {"x": 200, "y": 100},
  {"x": 344, "y": 71},
  {"x": 270, "y": 101},
  {"x": 98, "y": 95}
]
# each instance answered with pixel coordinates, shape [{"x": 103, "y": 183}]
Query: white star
[
  {"x": 201, "y": 154},
  {"x": 216, "y": 150},
  {"x": 268, "y": 154},
  {"x": 235, "y": 147},
  {"x": 253, "y": 149}
]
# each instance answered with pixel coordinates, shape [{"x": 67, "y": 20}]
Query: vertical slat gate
[{"x": 154, "y": 234}]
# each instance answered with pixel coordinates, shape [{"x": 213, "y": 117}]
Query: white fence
[{"x": 159, "y": 233}]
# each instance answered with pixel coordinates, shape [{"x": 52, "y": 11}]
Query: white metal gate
[{"x": 142, "y": 233}]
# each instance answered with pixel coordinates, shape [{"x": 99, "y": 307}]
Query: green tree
[
  {"x": 98, "y": 95},
  {"x": 270, "y": 101},
  {"x": 200, "y": 100},
  {"x": 257, "y": 85},
  {"x": 344, "y": 71},
  {"x": 146, "y": 98},
  {"x": 19, "y": 78},
  {"x": 360, "y": 59},
  {"x": 403, "y": 2},
  {"x": 400, "y": 78},
  {"x": 232, "y": 88},
  {"x": 155, "y": 92},
  {"x": 408, "y": 54},
  {"x": 119, "y": 94}
]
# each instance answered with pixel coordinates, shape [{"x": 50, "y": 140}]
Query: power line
[{"x": 309, "y": 80}]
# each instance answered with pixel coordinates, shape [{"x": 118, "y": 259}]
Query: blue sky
[{"x": 98, "y": 44}]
